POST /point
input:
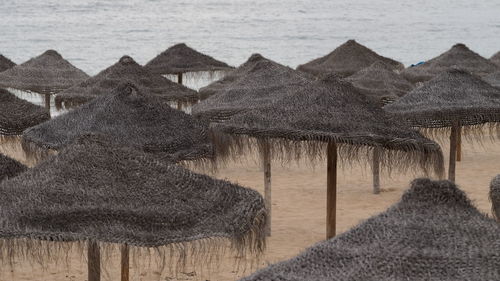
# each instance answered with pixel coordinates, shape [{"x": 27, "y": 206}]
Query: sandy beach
[{"x": 298, "y": 211}]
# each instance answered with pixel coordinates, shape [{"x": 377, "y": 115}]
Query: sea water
[{"x": 95, "y": 34}]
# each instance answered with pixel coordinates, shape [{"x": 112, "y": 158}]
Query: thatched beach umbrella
[
  {"x": 328, "y": 118},
  {"x": 380, "y": 82},
  {"x": 495, "y": 197},
  {"x": 180, "y": 59},
  {"x": 5, "y": 63},
  {"x": 450, "y": 101},
  {"x": 9, "y": 167},
  {"x": 255, "y": 83},
  {"x": 434, "y": 233},
  {"x": 496, "y": 58},
  {"x": 126, "y": 69},
  {"x": 16, "y": 115},
  {"x": 47, "y": 73},
  {"x": 132, "y": 117},
  {"x": 346, "y": 60},
  {"x": 106, "y": 198},
  {"x": 493, "y": 79},
  {"x": 459, "y": 56}
]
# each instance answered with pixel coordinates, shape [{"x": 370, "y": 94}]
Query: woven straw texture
[
  {"x": 496, "y": 58},
  {"x": 346, "y": 60},
  {"x": 16, "y": 115},
  {"x": 329, "y": 110},
  {"x": 97, "y": 191},
  {"x": 495, "y": 197},
  {"x": 380, "y": 82},
  {"x": 5, "y": 63},
  {"x": 453, "y": 96},
  {"x": 180, "y": 59},
  {"x": 131, "y": 117},
  {"x": 256, "y": 83},
  {"x": 459, "y": 56},
  {"x": 493, "y": 79},
  {"x": 9, "y": 167},
  {"x": 434, "y": 234},
  {"x": 47, "y": 73},
  {"x": 126, "y": 69}
]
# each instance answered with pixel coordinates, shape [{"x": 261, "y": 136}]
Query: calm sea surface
[{"x": 95, "y": 34}]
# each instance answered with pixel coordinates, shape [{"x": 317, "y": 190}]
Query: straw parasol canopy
[
  {"x": 493, "y": 79},
  {"x": 180, "y": 58},
  {"x": 16, "y": 115},
  {"x": 255, "y": 83},
  {"x": 459, "y": 56},
  {"x": 9, "y": 167},
  {"x": 495, "y": 197},
  {"x": 126, "y": 69},
  {"x": 496, "y": 58},
  {"x": 47, "y": 73},
  {"x": 433, "y": 233},
  {"x": 346, "y": 60},
  {"x": 132, "y": 117},
  {"x": 100, "y": 196},
  {"x": 453, "y": 99},
  {"x": 380, "y": 82},
  {"x": 5, "y": 63},
  {"x": 329, "y": 118}
]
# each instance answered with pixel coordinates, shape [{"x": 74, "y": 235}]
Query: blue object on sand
[{"x": 419, "y": 63}]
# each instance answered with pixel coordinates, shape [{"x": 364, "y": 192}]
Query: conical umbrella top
[
  {"x": 49, "y": 72},
  {"x": 433, "y": 233},
  {"x": 346, "y": 60},
  {"x": 132, "y": 117},
  {"x": 454, "y": 95},
  {"x": 459, "y": 56},
  {"x": 381, "y": 82},
  {"x": 126, "y": 69},
  {"x": 181, "y": 58},
  {"x": 256, "y": 83}
]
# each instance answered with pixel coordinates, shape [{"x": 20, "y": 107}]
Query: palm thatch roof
[
  {"x": 126, "y": 69},
  {"x": 133, "y": 118},
  {"x": 496, "y": 58},
  {"x": 459, "y": 56},
  {"x": 254, "y": 84},
  {"x": 328, "y": 110},
  {"x": 5, "y": 63},
  {"x": 346, "y": 60},
  {"x": 9, "y": 167},
  {"x": 493, "y": 78},
  {"x": 433, "y": 233},
  {"x": 381, "y": 82},
  {"x": 95, "y": 191},
  {"x": 47, "y": 73},
  {"x": 495, "y": 197},
  {"x": 453, "y": 96},
  {"x": 16, "y": 115},
  {"x": 181, "y": 59}
]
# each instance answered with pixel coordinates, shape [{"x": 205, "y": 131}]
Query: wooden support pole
[
  {"x": 179, "y": 78},
  {"x": 94, "y": 261},
  {"x": 179, "y": 105},
  {"x": 267, "y": 186},
  {"x": 459, "y": 144},
  {"x": 47, "y": 102},
  {"x": 331, "y": 190},
  {"x": 125, "y": 262},
  {"x": 376, "y": 170},
  {"x": 453, "y": 152}
]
